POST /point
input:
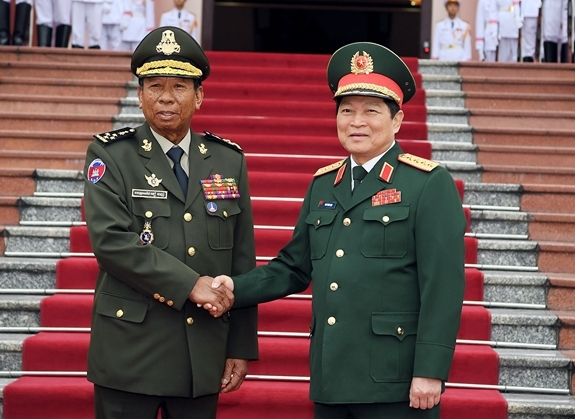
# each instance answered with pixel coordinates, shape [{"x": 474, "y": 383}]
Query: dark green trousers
[
  {"x": 117, "y": 404},
  {"x": 373, "y": 411}
]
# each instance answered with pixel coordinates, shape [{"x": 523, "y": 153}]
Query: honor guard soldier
[
  {"x": 181, "y": 18},
  {"x": 486, "y": 37},
  {"x": 52, "y": 14},
  {"x": 111, "y": 18},
  {"x": 530, "y": 10},
  {"x": 380, "y": 235},
  {"x": 138, "y": 20},
  {"x": 452, "y": 38},
  {"x": 21, "y": 23},
  {"x": 554, "y": 31},
  {"x": 510, "y": 21},
  {"x": 87, "y": 15},
  {"x": 165, "y": 208}
]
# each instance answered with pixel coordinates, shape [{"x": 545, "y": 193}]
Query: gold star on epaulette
[
  {"x": 418, "y": 162},
  {"x": 224, "y": 141},
  {"x": 119, "y": 134},
  {"x": 329, "y": 168}
]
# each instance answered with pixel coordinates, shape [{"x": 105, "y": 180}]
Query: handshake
[{"x": 213, "y": 294}]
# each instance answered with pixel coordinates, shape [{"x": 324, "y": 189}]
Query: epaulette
[
  {"x": 417, "y": 162},
  {"x": 119, "y": 134},
  {"x": 329, "y": 168},
  {"x": 224, "y": 141}
]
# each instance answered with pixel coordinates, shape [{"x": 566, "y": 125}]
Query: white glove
[
  {"x": 481, "y": 55},
  {"x": 519, "y": 21}
]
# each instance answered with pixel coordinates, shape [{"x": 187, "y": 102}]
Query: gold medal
[{"x": 146, "y": 236}]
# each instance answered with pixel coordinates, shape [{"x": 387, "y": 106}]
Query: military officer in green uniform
[
  {"x": 380, "y": 235},
  {"x": 165, "y": 208}
]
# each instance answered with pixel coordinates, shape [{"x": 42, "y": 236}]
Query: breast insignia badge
[
  {"x": 153, "y": 181},
  {"x": 147, "y": 145}
]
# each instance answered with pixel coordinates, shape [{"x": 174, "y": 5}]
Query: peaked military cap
[
  {"x": 170, "y": 51},
  {"x": 369, "y": 69}
]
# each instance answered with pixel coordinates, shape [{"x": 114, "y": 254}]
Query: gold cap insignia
[
  {"x": 361, "y": 64},
  {"x": 168, "y": 44},
  {"x": 147, "y": 145}
]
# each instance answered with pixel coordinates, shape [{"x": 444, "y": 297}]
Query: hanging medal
[{"x": 146, "y": 236}]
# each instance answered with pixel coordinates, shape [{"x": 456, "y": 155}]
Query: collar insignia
[
  {"x": 147, "y": 145},
  {"x": 153, "y": 181}
]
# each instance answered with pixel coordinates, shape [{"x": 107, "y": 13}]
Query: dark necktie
[
  {"x": 179, "y": 15},
  {"x": 175, "y": 154},
  {"x": 359, "y": 174}
]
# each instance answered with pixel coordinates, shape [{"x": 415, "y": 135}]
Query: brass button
[
  {"x": 119, "y": 313},
  {"x": 225, "y": 214},
  {"x": 333, "y": 286},
  {"x": 190, "y": 321},
  {"x": 188, "y": 217},
  {"x": 157, "y": 296},
  {"x": 149, "y": 214},
  {"x": 162, "y": 299},
  {"x": 331, "y": 321},
  {"x": 192, "y": 251},
  {"x": 346, "y": 222},
  {"x": 385, "y": 218},
  {"x": 400, "y": 330},
  {"x": 339, "y": 253},
  {"x": 170, "y": 303},
  {"x": 318, "y": 222}
]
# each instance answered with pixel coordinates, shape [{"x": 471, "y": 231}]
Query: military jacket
[
  {"x": 387, "y": 266},
  {"x": 452, "y": 40},
  {"x": 152, "y": 244}
]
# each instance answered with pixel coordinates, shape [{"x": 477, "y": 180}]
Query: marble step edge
[{"x": 438, "y": 67}]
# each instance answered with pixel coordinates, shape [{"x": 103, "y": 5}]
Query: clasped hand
[{"x": 211, "y": 295}]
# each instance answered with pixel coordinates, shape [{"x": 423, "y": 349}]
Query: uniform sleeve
[
  {"x": 118, "y": 249},
  {"x": 480, "y": 25},
  {"x": 467, "y": 44},
  {"x": 435, "y": 46},
  {"x": 288, "y": 273},
  {"x": 439, "y": 236},
  {"x": 150, "y": 16},
  {"x": 243, "y": 336}
]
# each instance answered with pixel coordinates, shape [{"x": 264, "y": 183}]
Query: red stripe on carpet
[
  {"x": 323, "y": 127},
  {"x": 49, "y": 351},
  {"x": 474, "y": 364},
  {"x": 470, "y": 250},
  {"x": 79, "y": 240},
  {"x": 467, "y": 213},
  {"x": 76, "y": 273},
  {"x": 473, "y": 404},
  {"x": 475, "y": 323},
  {"x": 48, "y": 397},
  {"x": 66, "y": 310},
  {"x": 473, "y": 285},
  {"x": 460, "y": 185}
]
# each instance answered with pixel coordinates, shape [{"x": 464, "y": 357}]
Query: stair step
[
  {"x": 519, "y": 101},
  {"x": 517, "y": 70},
  {"x": 518, "y": 85},
  {"x": 535, "y": 137},
  {"x": 441, "y": 82},
  {"x": 16, "y": 181},
  {"x": 523, "y": 119},
  {"x": 45, "y": 140},
  {"x": 447, "y": 115},
  {"x": 557, "y": 256},
  {"x": 524, "y": 326},
  {"x": 57, "y": 122},
  {"x": 499, "y": 173},
  {"x": 47, "y": 159},
  {"x": 451, "y": 98},
  {"x": 553, "y": 227},
  {"x": 526, "y": 155},
  {"x": 55, "y": 86},
  {"x": 515, "y": 287},
  {"x": 91, "y": 71},
  {"x": 64, "y": 55},
  {"x": 59, "y": 104},
  {"x": 539, "y": 406}
]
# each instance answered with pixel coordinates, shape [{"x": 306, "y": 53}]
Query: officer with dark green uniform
[
  {"x": 165, "y": 207},
  {"x": 385, "y": 253}
]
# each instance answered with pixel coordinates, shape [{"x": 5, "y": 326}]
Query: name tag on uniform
[
  {"x": 327, "y": 205},
  {"x": 150, "y": 194}
]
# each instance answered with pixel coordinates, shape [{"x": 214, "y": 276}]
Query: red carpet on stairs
[{"x": 265, "y": 115}]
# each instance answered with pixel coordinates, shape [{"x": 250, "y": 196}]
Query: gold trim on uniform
[
  {"x": 361, "y": 64},
  {"x": 329, "y": 168},
  {"x": 172, "y": 67},
  {"x": 417, "y": 162},
  {"x": 108, "y": 137},
  {"x": 202, "y": 148},
  {"x": 367, "y": 86},
  {"x": 147, "y": 145}
]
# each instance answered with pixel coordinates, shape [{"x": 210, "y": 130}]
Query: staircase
[{"x": 514, "y": 220}]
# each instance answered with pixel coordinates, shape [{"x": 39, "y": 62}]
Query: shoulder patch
[
  {"x": 329, "y": 168},
  {"x": 119, "y": 134},
  {"x": 418, "y": 162},
  {"x": 223, "y": 141}
]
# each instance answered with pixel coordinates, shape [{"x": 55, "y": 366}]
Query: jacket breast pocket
[
  {"x": 221, "y": 222},
  {"x": 121, "y": 308},
  {"x": 156, "y": 212},
  {"x": 385, "y": 231},
  {"x": 392, "y": 348},
  {"x": 320, "y": 225}
]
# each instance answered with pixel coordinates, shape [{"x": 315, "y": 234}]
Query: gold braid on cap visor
[
  {"x": 367, "y": 86},
  {"x": 171, "y": 67}
]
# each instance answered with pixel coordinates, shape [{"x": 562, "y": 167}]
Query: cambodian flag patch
[{"x": 96, "y": 170}]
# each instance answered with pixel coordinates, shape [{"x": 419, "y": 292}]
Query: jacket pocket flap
[
  {"x": 320, "y": 218},
  {"x": 395, "y": 324},
  {"x": 386, "y": 214},
  {"x": 121, "y": 308}
]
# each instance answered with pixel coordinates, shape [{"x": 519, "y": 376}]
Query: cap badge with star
[
  {"x": 369, "y": 69},
  {"x": 170, "y": 51}
]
